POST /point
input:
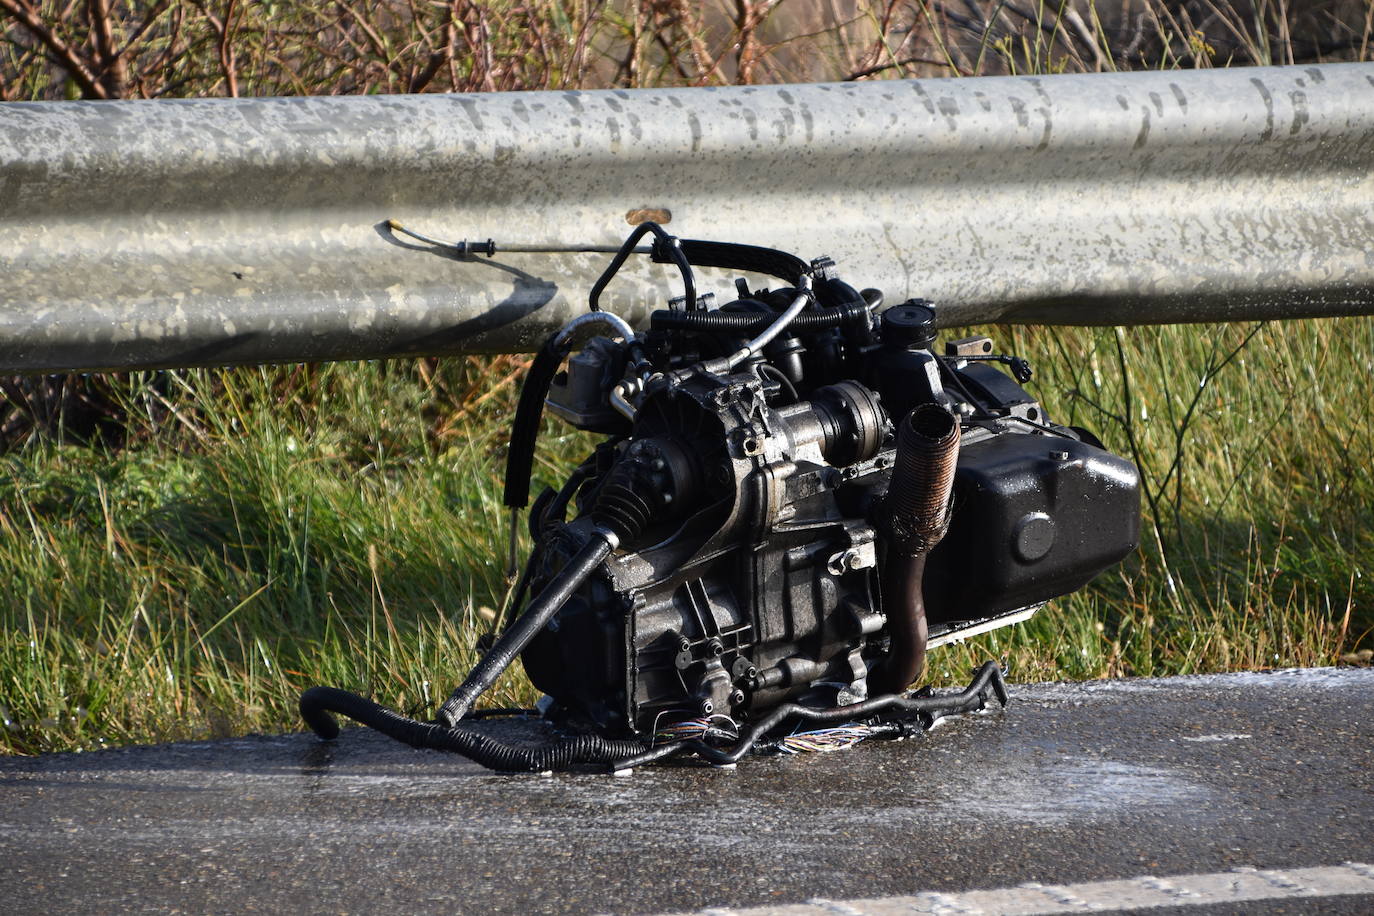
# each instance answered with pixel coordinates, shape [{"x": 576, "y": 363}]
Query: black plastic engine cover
[{"x": 1035, "y": 517}]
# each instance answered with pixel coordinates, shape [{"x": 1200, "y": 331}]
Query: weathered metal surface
[{"x": 233, "y": 231}]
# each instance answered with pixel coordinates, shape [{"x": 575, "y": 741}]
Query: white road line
[
  {"x": 1358, "y": 868},
  {"x": 1033, "y": 899},
  {"x": 834, "y": 907},
  {"x": 1062, "y": 895},
  {"x": 1165, "y": 887}
]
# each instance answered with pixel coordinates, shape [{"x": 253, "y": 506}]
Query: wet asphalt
[{"x": 1072, "y": 783}]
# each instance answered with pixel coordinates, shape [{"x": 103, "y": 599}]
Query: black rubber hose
[
  {"x": 747, "y": 324},
  {"x": 666, "y": 249},
  {"x": 751, "y": 258},
  {"x": 557, "y": 508},
  {"x": 318, "y": 702},
  {"x": 971, "y": 698},
  {"x": 518, "y": 635},
  {"x": 529, "y": 412},
  {"x": 902, "y": 582},
  {"x": 776, "y": 374}
]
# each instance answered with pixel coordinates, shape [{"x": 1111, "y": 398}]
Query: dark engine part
[
  {"x": 798, "y": 496},
  {"x": 769, "y": 584}
]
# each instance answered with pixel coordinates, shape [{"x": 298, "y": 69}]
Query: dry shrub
[{"x": 103, "y": 49}]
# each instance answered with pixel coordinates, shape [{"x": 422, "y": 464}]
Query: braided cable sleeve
[
  {"x": 318, "y": 703},
  {"x": 747, "y": 324}
]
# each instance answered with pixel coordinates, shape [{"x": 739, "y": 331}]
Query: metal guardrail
[{"x": 198, "y": 232}]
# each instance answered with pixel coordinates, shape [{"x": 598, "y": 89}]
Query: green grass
[
  {"x": 192, "y": 584},
  {"x": 1254, "y": 448},
  {"x": 342, "y": 524}
]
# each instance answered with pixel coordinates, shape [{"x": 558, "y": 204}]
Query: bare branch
[
  {"x": 114, "y": 74},
  {"x": 905, "y": 62},
  {"x": 61, "y": 52}
]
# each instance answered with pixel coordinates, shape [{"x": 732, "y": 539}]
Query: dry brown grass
[{"x": 102, "y": 49}]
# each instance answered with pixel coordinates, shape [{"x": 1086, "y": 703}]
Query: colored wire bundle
[
  {"x": 700, "y": 729},
  {"x": 823, "y": 740}
]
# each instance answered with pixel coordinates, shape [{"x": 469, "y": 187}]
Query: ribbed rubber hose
[
  {"x": 916, "y": 510},
  {"x": 917, "y": 500},
  {"x": 747, "y": 324},
  {"x": 318, "y": 702}
]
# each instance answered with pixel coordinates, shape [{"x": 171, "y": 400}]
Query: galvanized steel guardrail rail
[{"x": 200, "y": 232}]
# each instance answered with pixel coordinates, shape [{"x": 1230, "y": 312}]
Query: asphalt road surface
[{"x": 1249, "y": 793}]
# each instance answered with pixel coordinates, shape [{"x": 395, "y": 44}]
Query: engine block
[
  {"x": 757, "y": 578},
  {"x": 796, "y": 495}
]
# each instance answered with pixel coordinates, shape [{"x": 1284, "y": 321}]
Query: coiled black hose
[
  {"x": 318, "y": 702},
  {"x": 928, "y": 708},
  {"x": 746, "y": 324}
]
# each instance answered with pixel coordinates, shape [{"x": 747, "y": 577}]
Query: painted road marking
[{"x": 1031, "y": 899}]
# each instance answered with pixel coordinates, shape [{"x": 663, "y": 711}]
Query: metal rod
[
  {"x": 491, "y": 247},
  {"x": 770, "y": 332}
]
